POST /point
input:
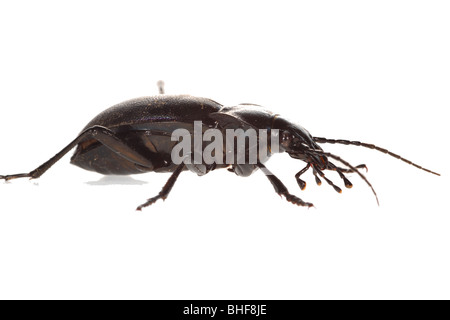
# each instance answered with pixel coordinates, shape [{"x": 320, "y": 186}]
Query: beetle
[{"x": 135, "y": 137}]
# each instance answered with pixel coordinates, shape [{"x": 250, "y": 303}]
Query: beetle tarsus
[
  {"x": 296, "y": 200},
  {"x": 281, "y": 189},
  {"x": 164, "y": 193},
  {"x": 15, "y": 176},
  {"x": 149, "y": 202}
]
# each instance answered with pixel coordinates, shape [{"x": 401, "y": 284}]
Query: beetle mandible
[{"x": 135, "y": 137}]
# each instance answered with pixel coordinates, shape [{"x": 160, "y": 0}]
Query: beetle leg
[
  {"x": 281, "y": 189},
  {"x": 99, "y": 133},
  {"x": 199, "y": 169},
  {"x": 302, "y": 183},
  {"x": 163, "y": 194}
]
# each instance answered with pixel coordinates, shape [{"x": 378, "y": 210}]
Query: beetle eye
[
  {"x": 286, "y": 139},
  {"x": 286, "y": 136}
]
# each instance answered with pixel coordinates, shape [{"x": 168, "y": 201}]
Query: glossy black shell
[{"x": 146, "y": 124}]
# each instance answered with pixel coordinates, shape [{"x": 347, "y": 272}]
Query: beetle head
[{"x": 298, "y": 142}]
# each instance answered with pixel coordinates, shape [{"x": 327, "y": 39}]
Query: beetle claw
[{"x": 149, "y": 202}]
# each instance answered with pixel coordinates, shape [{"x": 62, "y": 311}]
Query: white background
[{"x": 374, "y": 71}]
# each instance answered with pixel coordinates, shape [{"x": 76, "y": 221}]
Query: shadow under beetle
[{"x": 135, "y": 137}]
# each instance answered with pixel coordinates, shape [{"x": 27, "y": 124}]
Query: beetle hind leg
[
  {"x": 281, "y": 189},
  {"x": 99, "y": 133},
  {"x": 164, "y": 193}
]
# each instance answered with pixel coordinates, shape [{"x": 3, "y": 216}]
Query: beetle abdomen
[{"x": 146, "y": 124}]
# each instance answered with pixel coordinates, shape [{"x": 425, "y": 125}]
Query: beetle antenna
[
  {"x": 354, "y": 169},
  {"x": 374, "y": 147},
  {"x": 160, "y": 85}
]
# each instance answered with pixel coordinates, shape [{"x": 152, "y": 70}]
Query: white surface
[{"x": 369, "y": 71}]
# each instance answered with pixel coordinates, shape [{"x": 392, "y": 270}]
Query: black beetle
[{"x": 135, "y": 137}]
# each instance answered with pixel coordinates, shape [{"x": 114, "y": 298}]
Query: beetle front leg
[
  {"x": 281, "y": 189},
  {"x": 99, "y": 133},
  {"x": 164, "y": 193}
]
